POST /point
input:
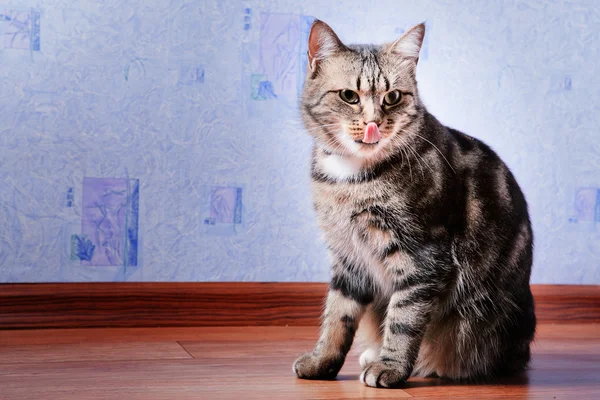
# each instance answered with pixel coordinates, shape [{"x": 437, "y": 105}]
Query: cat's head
[{"x": 361, "y": 100}]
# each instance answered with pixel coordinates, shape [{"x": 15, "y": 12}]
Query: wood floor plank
[
  {"x": 91, "y": 351},
  {"x": 255, "y": 363},
  {"x": 569, "y": 332},
  {"x": 111, "y": 335},
  {"x": 170, "y": 379}
]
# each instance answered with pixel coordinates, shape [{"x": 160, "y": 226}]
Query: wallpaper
[{"x": 160, "y": 140}]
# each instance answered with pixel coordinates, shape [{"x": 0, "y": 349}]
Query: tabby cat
[{"x": 427, "y": 228}]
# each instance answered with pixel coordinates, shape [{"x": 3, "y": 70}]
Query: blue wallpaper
[{"x": 159, "y": 140}]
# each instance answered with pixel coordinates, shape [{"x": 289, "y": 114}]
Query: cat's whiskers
[
  {"x": 340, "y": 146},
  {"x": 438, "y": 150},
  {"x": 411, "y": 151},
  {"x": 417, "y": 155},
  {"x": 321, "y": 127},
  {"x": 408, "y": 162}
]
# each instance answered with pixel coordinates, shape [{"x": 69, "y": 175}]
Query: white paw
[
  {"x": 361, "y": 378},
  {"x": 367, "y": 379},
  {"x": 382, "y": 374},
  {"x": 369, "y": 356}
]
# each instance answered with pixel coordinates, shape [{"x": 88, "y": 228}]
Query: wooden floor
[{"x": 254, "y": 363}]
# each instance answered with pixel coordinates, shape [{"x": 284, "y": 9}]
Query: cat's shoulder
[
  {"x": 464, "y": 143},
  {"x": 467, "y": 144}
]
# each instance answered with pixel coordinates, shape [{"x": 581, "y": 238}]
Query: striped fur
[{"x": 428, "y": 230}]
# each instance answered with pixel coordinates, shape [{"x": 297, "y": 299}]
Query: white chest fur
[{"x": 340, "y": 168}]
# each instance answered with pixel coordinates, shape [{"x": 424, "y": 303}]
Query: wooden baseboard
[{"x": 79, "y": 305}]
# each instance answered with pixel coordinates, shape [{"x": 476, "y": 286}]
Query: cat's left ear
[{"x": 409, "y": 45}]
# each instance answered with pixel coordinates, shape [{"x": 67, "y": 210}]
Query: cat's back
[{"x": 486, "y": 179}]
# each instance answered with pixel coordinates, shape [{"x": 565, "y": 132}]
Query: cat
[{"x": 428, "y": 230}]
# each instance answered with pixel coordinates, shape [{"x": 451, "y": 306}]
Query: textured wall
[{"x": 159, "y": 140}]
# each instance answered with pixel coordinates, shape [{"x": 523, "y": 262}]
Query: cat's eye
[
  {"x": 349, "y": 96},
  {"x": 392, "y": 98}
]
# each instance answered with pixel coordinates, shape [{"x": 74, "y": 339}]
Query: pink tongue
[{"x": 372, "y": 134}]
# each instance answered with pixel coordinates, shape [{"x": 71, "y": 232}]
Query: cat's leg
[
  {"x": 340, "y": 321},
  {"x": 370, "y": 335},
  {"x": 408, "y": 314},
  {"x": 350, "y": 292}
]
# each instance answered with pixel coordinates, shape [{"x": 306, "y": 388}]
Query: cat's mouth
[
  {"x": 371, "y": 135},
  {"x": 366, "y": 144}
]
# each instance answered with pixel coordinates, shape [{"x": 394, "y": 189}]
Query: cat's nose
[{"x": 376, "y": 117}]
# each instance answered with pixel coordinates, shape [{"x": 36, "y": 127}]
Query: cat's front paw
[
  {"x": 311, "y": 366},
  {"x": 369, "y": 356},
  {"x": 383, "y": 374}
]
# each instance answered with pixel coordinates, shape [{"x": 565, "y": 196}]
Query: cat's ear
[
  {"x": 409, "y": 45},
  {"x": 322, "y": 43}
]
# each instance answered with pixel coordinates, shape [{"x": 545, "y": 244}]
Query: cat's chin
[
  {"x": 366, "y": 154},
  {"x": 369, "y": 151},
  {"x": 361, "y": 143},
  {"x": 358, "y": 150}
]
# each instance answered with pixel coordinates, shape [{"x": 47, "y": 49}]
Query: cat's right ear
[{"x": 322, "y": 43}]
